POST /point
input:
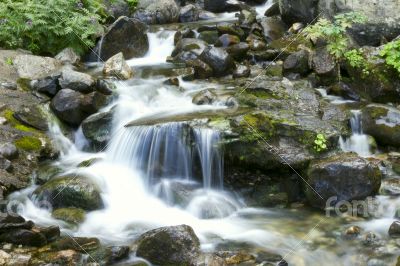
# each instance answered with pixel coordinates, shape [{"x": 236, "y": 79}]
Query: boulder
[
  {"x": 390, "y": 186},
  {"x": 32, "y": 116},
  {"x": 157, "y": 11},
  {"x": 219, "y": 60},
  {"x": 394, "y": 229},
  {"x": 173, "y": 245},
  {"x": 383, "y": 123},
  {"x": 343, "y": 90},
  {"x": 9, "y": 151},
  {"x": 97, "y": 128},
  {"x": 226, "y": 40},
  {"x": 238, "y": 51},
  {"x": 189, "y": 45},
  {"x": 292, "y": 11},
  {"x": 24, "y": 237},
  {"x": 33, "y": 67},
  {"x": 323, "y": 64},
  {"x": 68, "y": 56},
  {"x": 47, "y": 85},
  {"x": 76, "y": 81},
  {"x": 209, "y": 36},
  {"x": 117, "y": 8},
  {"x": 189, "y": 13},
  {"x": 232, "y": 29},
  {"x": 201, "y": 69},
  {"x": 204, "y": 97},
  {"x": 70, "y": 191},
  {"x": 133, "y": 33},
  {"x": 344, "y": 177},
  {"x": 273, "y": 28},
  {"x": 67, "y": 105},
  {"x": 94, "y": 101},
  {"x": 70, "y": 215},
  {"x": 241, "y": 71},
  {"x": 116, "y": 66},
  {"x": 105, "y": 87},
  {"x": 297, "y": 63},
  {"x": 273, "y": 10}
]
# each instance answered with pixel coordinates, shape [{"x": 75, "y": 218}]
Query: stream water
[{"x": 143, "y": 169}]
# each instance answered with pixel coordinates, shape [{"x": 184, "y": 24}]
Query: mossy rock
[
  {"x": 46, "y": 172},
  {"x": 89, "y": 162},
  {"x": 70, "y": 215},
  {"x": 9, "y": 116},
  {"x": 29, "y": 143}
]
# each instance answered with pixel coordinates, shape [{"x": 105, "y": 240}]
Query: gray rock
[
  {"x": 117, "y": 8},
  {"x": 226, "y": 40},
  {"x": 157, "y": 11},
  {"x": 33, "y": 67},
  {"x": 219, "y": 60},
  {"x": 5, "y": 164},
  {"x": 32, "y": 116},
  {"x": 273, "y": 10},
  {"x": 116, "y": 66},
  {"x": 238, "y": 51},
  {"x": 201, "y": 69},
  {"x": 24, "y": 237},
  {"x": 97, "y": 128},
  {"x": 132, "y": 31},
  {"x": 48, "y": 85},
  {"x": 298, "y": 11},
  {"x": 189, "y": 13},
  {"x": 323, "y": 63},
  {"x": 241, "y": 71},
  {"x": 297, "y": 63},
  {"x": 204, "y": 97},
  {"x": 68, "y": 56},
  {"x": 189, "y": 45},
  {"x": 106, "y": 87},
  {"x": 273, "y": 28},
  {"x": 67, "y": 105},
  {"x": 76, "y": 81},
  {"x": 206, "y": 15},
  {"x": 394, "y": 230},
  {"x": 174, "y": 245},
  {"x": 211, "y": 37},
  {"x": 9, "y": 151}
]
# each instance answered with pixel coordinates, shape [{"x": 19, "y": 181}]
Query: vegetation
[
  {"x": 356, "y": 59},
  {"x": 391, "y": 54},
  {"x": 29, "y": 143},
  {"x": 132, "y": 4},
  {"x": 320, "y": 143},
  {"x": 46, "y": 27}
]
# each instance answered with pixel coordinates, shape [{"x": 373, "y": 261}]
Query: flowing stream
[{"x": 144, "y": 168}]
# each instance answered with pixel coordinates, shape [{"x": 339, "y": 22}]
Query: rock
[
  {"x": 67, "y": 105},
  {"x": 323, "y": 63},
  {"x": 204, "y": 97},
  {"x": 172, "y": 82},
  {"x": 226, "y": 40},
  {"x": 5, "y": 164},
  {"x": 273, "y": 28},
  {"x": 297, "y": 63},
  {"x": 241, "y": 71},
  {"x": 211, "y": 36},
  {"x": 9, "y": 151},
  {"x": 238, "y": 51},
  {"x": 383, "y": 123},
  {"x": 48, "y": 85},
  {"x": 132, "y": 31},
  {"x": 9, "y": 222},
  {"x": 32, "y": 116},
  {"x": 219, "y": 60},
  {"x": 8, "y": 85},
  {"x": 70, "y": 191},
  {"x": 256, "y": 43},
  {"x": 33, "y": 67},
  {"x": 296, "y": 28},
  {"x": 24, "y": 237},
  {"x": 105, "y": 87},
  {"x": 201, "y": 69},
  {"x": 97, "y": 128},
  {"x": 117, "y": 8},
  {"x": 183, "y": 34},
  {"x": 110, "y": 255},
  {"x": 51, "y": 233},
  {"x": 390, "y": 186},
  {"x": 394, "y": 159},
  {"x": 157, "y": 11},
  {"x": 189, "y": 13},
  {"x": 70, "y": 215},
  {"x": 343, "y": 90},
  {"x": 247, "y": 17},
  {"x": 293, "y": 11},
  {"x": 116, "y": 66},
  {"x": 273, "y": 10},
  {"x": 76, "y": 81},
  {"x": 62, "y": 257},
  {"x": 346, "y": 177},
  {"x": 219, "y": 6},
  {"x": 394, "y": 230},
  {"x": 206, "y": 15},
  {"x": 229, "y": 28},
  {"x": 352, "y": 231},
  {"x": 174, "y": 245},
  {"x": 47, "y": 171},
  {"x": 68, "y": 56},
  {"x": 189, "y": 45},
  {"x": 94, "y": 101},
  {"x": 80, "y": 244}
]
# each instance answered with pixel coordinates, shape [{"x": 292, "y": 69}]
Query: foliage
[
  {"x": 28, "y": 143},
  {"x": 356, "y": 59},
  {"x": 9, "y": 61},
  {"x": 46, "y": 27},
  {"x": 320, "y": 143},
  {"x": 391, "y": 54},
  {"x": 132, "y": 4},
  {"x": 334, "y": 33}
]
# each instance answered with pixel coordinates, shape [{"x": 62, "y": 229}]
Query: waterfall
[{"x": 358, "y": 141}]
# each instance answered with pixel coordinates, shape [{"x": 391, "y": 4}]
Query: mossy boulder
[
  {"x": 173, "y": 245},
  {"x": 344, "y": 177},
  {"x": 29, "y": 143},
  {"x": 70, "y": 191},
  {"x": 70, "y": 215},
  {"x": 383, "y": 123}
]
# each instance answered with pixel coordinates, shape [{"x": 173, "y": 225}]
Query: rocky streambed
[{"x": 221, "y": 137}]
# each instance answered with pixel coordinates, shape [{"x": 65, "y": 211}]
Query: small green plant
[
  {"x": 46, "y": 27},
  {"x": 391, "y": 54},
  {"x": 132, "y": 4},
  {"x": 320, "y": 143},
  {"x": 9, "y": 61},
  {"x": 356, "y": 59}
]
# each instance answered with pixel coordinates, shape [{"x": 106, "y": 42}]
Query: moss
[
  {"x": 257, "y": 126},
  {"x": 29, "y": 143},
  {"x": 70, "y": 215},
  {"x": 9, "y": 115}
]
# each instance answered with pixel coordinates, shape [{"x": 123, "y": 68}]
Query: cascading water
[{"x": 358, "y": 141}]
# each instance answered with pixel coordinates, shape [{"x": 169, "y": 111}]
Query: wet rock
[
  {"x": 219, "y": 60},
  {"x": 116, "y": 66},
  {"x": 211, "y": 36},
  {"x": 204, "y": 97},
  {"x": 189, "y": 44},
  {"x": 383, "y": 123},
  {"x": 241, "y": 71},
  {"x": 390, "y": 186},
  {"x": 344, "y": 177},
  {"x": 37, "y": 68},
  {"x": 70, "y": 191},
  {"x": 94, "y": 101},
  {"x": 344, "y": 90},
  {"x": 238, "y": 51},
  {"x": 256, "y": 43},
  {"x": 132, "y": 31},
  {"x": 63, "y": 257},
  {"x": 219, "y": 6},
  {"x": 10, "y": 222},
  {"x": 68, "y": 56},
  {"x": 67, "y": 105},
  {"x": 174, "y": 245},
  {"x": 273, "y": 10},
  {"x": 32, "y": 116},
  {"x": 201, "y": 69},
  {"x": 206, "y": 15},
  {"x": 323, "y": 63},
  {"x": 47, "y": 171},
  {"x": 226, "y": 40},
  {"x": 24, "y": 237},
  {"x": 51, "y": 233},
  {"x": 183, "y": 34},
  {"x": 394, "y": 230},
  {"x": 273, "y": 28},
  {"x": 189, "y": 13},
  {"x": 172, "y": 82},
  {"x": 80, "y": 244},
  {"x": 297, "y": 63},
  {"x": 76, "y": 81},
  {"x": 298, "y": 11},
  {"x": 97, "y": 128},
  {"x": 247, "y": 17},
  {"x": 9, "y": 151},
  {"x": 157, "y": 11},
  {"x": 117, "y": 8},
  {"x": 394, "y": 159},
  {"x": 352, "y": 231},
  {"x": 48, "y": 85},
  {"x": 110, "y": 255},
  {"x": 296, "y": 28},
  {"x": 105, "y": 87},
  {"x": 70, "y": 215},
  {"x": 229, "y": 28}
]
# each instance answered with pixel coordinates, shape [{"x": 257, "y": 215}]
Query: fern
[
  {"x": 391, "y": 54},
  {"x": 46, "y": 27}
]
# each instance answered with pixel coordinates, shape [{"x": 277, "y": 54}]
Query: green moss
[
  {"x": 29, "y": 143},
  {"x": 9, "y": 115},
  {"x": 257, "y": 126},
  {"x": 70, "y": 215}
]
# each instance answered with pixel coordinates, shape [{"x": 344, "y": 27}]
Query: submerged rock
[
  {"x": 70, "y": 191},
  {"x": 344, "y": 177},
  {"x": 116, "y": 66},
  {"x": 173, "y": 245}
]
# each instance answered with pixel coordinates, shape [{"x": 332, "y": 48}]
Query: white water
[{"x": 358, "y": 141}]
